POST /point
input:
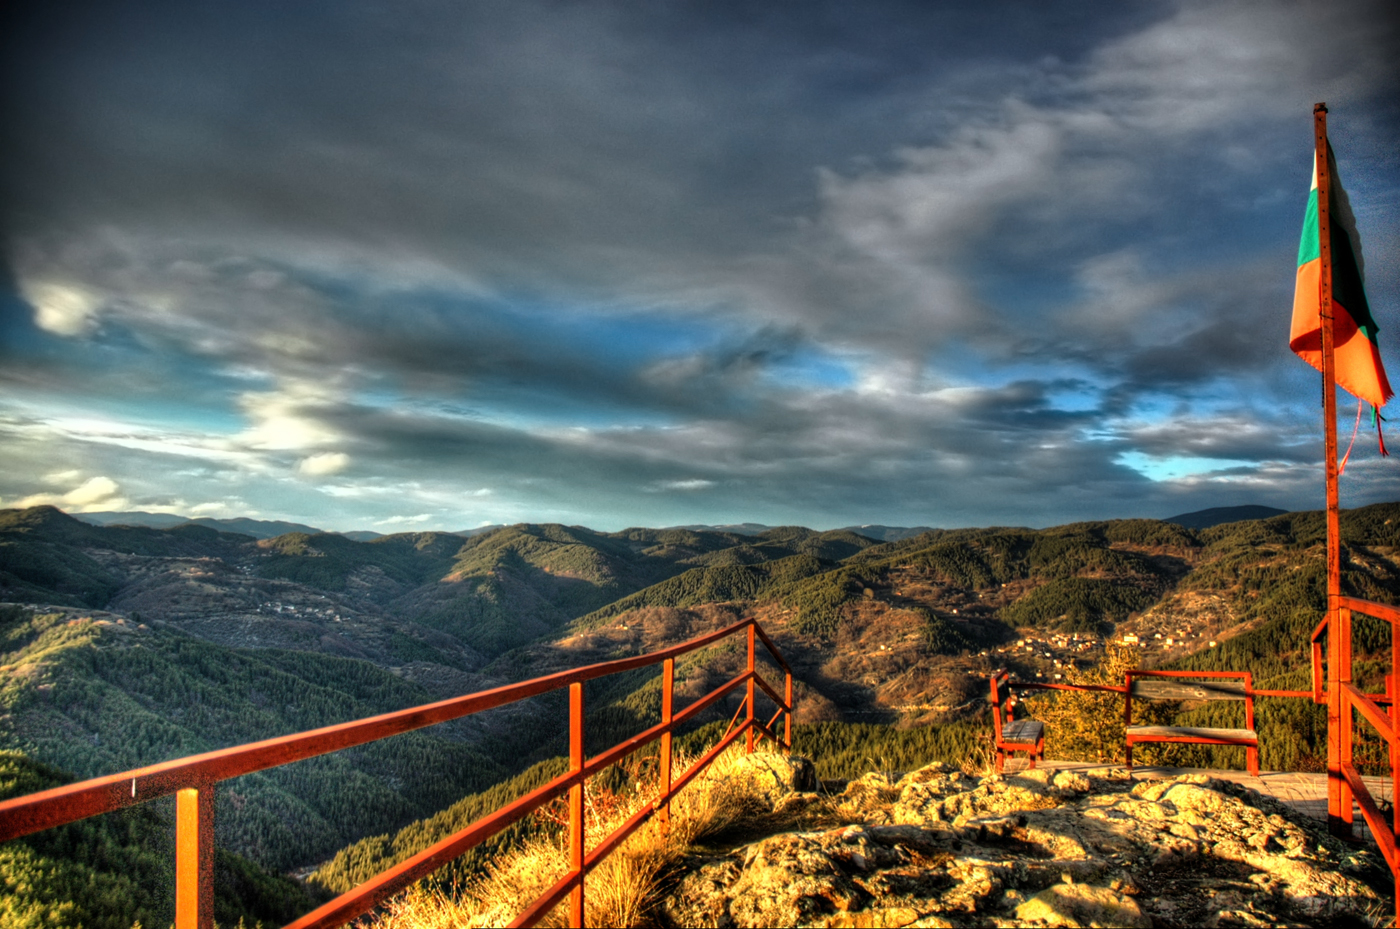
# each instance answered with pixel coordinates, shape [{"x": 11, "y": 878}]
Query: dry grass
[{"x": 623, "y": 886}]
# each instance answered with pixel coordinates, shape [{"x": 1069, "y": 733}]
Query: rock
[
  {"x": 939, "y": 848},
  {"x": 1076, "y": 905},
  {"x": 868, "y": 796},
  {"x": 775, "y": 776},
  {"x": 790, "y": 880}
]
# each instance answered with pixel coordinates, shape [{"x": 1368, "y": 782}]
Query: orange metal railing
[
  {"x": 1345, "y": 783},
  {"x": 192, "y": 780}
]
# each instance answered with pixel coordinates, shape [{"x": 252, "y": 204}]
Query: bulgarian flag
[{"x": 1358, "y": 362}]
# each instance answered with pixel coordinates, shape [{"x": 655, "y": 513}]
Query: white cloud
[
  {"x": 691, "y": 484},
  {"x": 324, "y": 463},
  {"x": 941, "y": 196},
  {"x": 63, "y": 309},
  {"x": 94, "y": 494},
  {"x": 91, "y": 491},
  {"x": 404, "y": 520},
  {"x": 285, "y": 419},
  {"x": 221, "y": 508},
  {"x": 1213, "y": 63}
]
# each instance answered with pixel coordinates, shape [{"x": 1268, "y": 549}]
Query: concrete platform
[{"x": 1306, "y": 793}]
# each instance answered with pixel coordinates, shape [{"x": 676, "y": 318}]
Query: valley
[{"x": 123, "y": 646}]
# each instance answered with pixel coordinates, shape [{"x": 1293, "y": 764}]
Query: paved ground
[{"x": 1304, "y": 792}]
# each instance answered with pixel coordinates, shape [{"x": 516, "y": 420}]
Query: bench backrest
[
  {"x": 1194, "y": 685},
  {"x": 1167, "y": 688},
  {"x": 1000, "y": 698}
]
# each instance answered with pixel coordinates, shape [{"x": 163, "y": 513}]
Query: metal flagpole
[{"x": 1339, "y": 798}]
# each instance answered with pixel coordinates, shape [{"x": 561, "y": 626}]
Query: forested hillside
[
  {"x": 98, "y": 695},
  {"x": 112, "y": 871},
  {"x": 125, "y": 646}
]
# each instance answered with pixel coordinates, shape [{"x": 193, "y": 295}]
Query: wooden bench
[
  {"x": 1020, "y": 735},
  {"x": 1193, "y": 685}
]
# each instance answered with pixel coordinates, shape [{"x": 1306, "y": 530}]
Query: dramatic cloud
[
  {"x": 894, "y": 262},
  {"x": 93, "y": 495},
  {"x": 324, "y": 463}
]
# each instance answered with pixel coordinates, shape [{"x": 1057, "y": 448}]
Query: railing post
[
  {"x": 668, "y": 680},
  {"x": 576, "y": 830},
  {"x": 1319, "y": 674},
  {"x": 1394, "y": 691},
  {"x": 749, "y": 750},
  {"x": 787, "y": 720},
  {"x": 194, "y": 858},
  {"x": 1349, "y": 727},
  {"x": 1393, "y": 746}
]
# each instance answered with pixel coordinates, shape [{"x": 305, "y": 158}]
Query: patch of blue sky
[
  {"x": 961, "y": 364},
  {"x": 517, "y": 406},
  {"x": 1081, "y": 397},
  {"x": 809, "y": 368},
  {"x": 625, "y": 335},
  {"x": 632, "y": 337},
  {"x": 1176, "y": 467},
  {"x": 142, "y": 412},
  {"x": 122, "y": 380}
]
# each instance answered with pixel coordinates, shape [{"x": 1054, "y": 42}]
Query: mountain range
[
  {"x": 269, "y": 529},
  {"x": 128, "y": 645}
]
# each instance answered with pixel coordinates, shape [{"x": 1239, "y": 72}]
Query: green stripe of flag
[{"x": 1310, "y": 246}]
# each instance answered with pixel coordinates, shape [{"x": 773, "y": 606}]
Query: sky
[{"x": 434, "y": 265}]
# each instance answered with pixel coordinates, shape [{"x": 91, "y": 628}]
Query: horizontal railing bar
[
  {"x": 702, "y": 764},
  {"x": 772, "y": 649},
  {"x": 1379, "y": 698},
  {"x": 765, "y": 731},
  {"x": 1383, "y": 611},
  {"x": 617, "y": 837},
  {"x": 1321, "y": 628},
  {"x": 623, "y": 749},
  {"x": 47, "y": 809},
  {"x": 758, "y": 679},
  {"x": 55, "y": 807},
  {"x": 551, "y": 898},
  {"x": 1139, "y": 673},
  {"x": 1106, "y": 688},
  {"x": 1380, "y": 829},
  {"x": 1373, "y": 713},
  {"x": 366, "y": 896}
]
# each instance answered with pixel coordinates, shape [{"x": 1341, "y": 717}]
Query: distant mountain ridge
[
  {"x": 257, "y": 528},
  {"x": 736, "y": 528},
  {"x": 869, "y": 530},
  {"x": 889, "y": 533},
  {"x": 1219, "y": 515},
  {"x": 271, "y": 528}
]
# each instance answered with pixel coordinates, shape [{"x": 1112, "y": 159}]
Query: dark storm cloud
[{"x": 634, "y": 263}]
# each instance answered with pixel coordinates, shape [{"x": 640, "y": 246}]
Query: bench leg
[
  {"x": 1128, "y": 756},
  {"x": 1001, "y": 760},
  {"x": 1030, "y": 760},
  {"x": 1252, "y": 759}
]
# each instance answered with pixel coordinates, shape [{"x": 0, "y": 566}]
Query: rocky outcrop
[{"x": 938, "y": 848}]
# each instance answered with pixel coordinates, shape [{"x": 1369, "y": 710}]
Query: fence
[
  {"x": 192, "y": 780},
  {"x": 1332, "y": 686},
  {"x": 1345, "y": 701}
]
